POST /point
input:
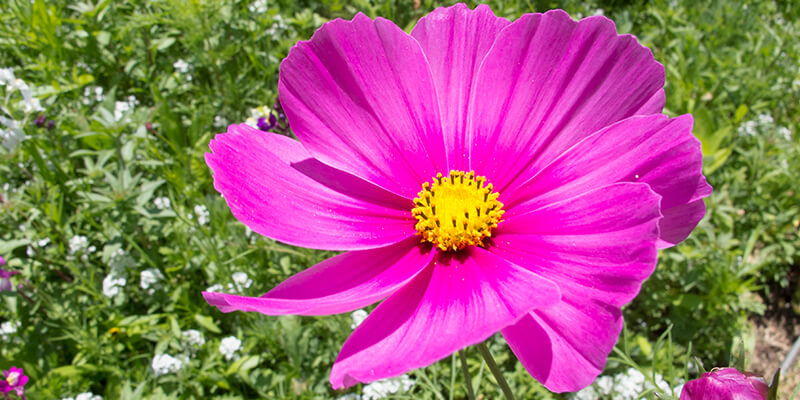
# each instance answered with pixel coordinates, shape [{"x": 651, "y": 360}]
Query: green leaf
[{"x": 207, "y": 322}]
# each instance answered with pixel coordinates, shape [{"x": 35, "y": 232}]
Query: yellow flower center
[
  {"x": 13, "y": 378},
  {"x": 457, "y": 211}
]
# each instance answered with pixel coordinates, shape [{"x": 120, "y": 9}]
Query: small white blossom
[
  {"x": 164, "y": 364},
  {"x": 8, "y": 329},
  {"x": 215, "y": 288},
  {"x": 220, "y": 122},
  {"x": 121, "y": 108},
  {"x": 11, "y": 136},
  {"x": 278, "y": 26},
  {"x": 161, "y": 203},
  {"x": 112, "y": 285},
  {"x": 229, "y": 346},
  {"x": 202, "y": 214},
  {"x": 765, "y": 119},
  {"x": 181, "y": 66},
  {"x": 258, "y": 6},
  {"x": 358, "y": 316},
  {"x": 383, "y": 388},
  {"x": 88, "y": 396},
  {"x": 6, "y": 76},
  {"x": 30, "y": 105},
  {"x": 43, "y": 242},
  {"x": 193, "y": 338},
  {"x": 77, "y": 243},
  {"x": 240, "y": 282},
  {"x": 784, "y": 132},
  {"x": 748, "y": 128},
  {"x": 149, "y": 280}
]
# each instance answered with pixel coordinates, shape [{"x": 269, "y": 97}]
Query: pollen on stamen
[{"x": 472, "y": 210}]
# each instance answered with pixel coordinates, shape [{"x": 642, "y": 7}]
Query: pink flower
[
  {"x": 14, "y": 380},
  {"x": 726, "y": 384},
  {"x": 559, "y": 180},
  {"x": 5, "y": 277}
]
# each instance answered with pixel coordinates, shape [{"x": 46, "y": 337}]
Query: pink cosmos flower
[
  {"x": 5, "y": 277},
  {"x": 726, "y": 384},
  {"x": 14, "y": 380},
  {"x": 482, "y": 175}
]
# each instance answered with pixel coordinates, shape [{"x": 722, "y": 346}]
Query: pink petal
[
  {"x": 549, "y": 82},
  {"x": 340, "y": 284},
  {"x": 598, "y": 245},
  {"x": 565, "y": 347},
  {"x": 272, "y": 185},
  {"x": 360, "y": 97},
  {"x": 726, "y": 384},
  {"x": 456, "y": 302},
  {"x": 651, "y": 149},
  {"x": 455, "y": 41}
]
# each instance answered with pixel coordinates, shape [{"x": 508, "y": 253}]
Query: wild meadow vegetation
[{"x": 109, "y": 215}]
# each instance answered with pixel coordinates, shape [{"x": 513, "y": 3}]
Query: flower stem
[
  {"x": 498, "y": 375},
  {"x": 470, "y": 393}
]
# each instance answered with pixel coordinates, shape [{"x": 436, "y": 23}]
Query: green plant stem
[
  {"x": 498, "y": 375},
  {"x": 465, "y": 369}
]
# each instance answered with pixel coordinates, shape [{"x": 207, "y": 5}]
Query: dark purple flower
[
  {"x": 263, "y": 125},
  {"x": 726, "y": 384},
  {"x": 14, "y": 380},
  {"x": 39, "y": 121},
  {"x": 51, "y": 124},
  {"x": 5, "y": 277}
]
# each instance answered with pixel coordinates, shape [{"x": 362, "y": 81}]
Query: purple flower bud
[
  {"x": 51, "y": 124},
  {"x": 726, "y": 384},
  {"x": 262, "y": 124},
  {"x": 39, "y": 121},
  {"x": 272, "y": 120}
]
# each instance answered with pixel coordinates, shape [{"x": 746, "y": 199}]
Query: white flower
[
  {"x": 240, "y": 281},
  {"x": 258, "y": 6},
  {"x": 11, "y": 136},
  {"x": 6, "y": 76},
  {"x": 785, "y": 132},
  {"x": 202, "y": 214},
  {"x": 165, "y": 364},
  {"x": 23, "y": 87},
  {"x": 44, "y": 242},
  {"x": 215, "y": 288},
  {"x": 748, "y": 128},
  {"x": 77, "y": 243},
  {"x": 605, "y": 384},
  {"x": 112, "y": 285},
  {"x": 8, "y": 329},
  {"x": 32, "y": 105},
  {"x": 229, "y": 346},
  {"x": 181, "y": 66},
  {"x": 88, "y": 396},
  {"x": 193, "y": 337},
  {"x": 765, "y": 119},
  {"x": 358, "y": 316},
  {"x": 586, "y": 393},
  {"x": 220, "y": 122},
  {"x": 161, "y": 203},
  {"x": 383, "y": 388},
  {"x": 149, "y": 279},
  {"x": 120, "y": 109}
]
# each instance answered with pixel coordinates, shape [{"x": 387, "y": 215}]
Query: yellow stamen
[{"x": 456, "y": 211}]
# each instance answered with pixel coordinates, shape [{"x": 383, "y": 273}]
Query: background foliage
[{"x": 136, "y": 89}]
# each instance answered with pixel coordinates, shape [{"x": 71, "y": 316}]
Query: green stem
[
  {"x": 465, "y": 370},
  {"x": 498, "y": 375}
]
